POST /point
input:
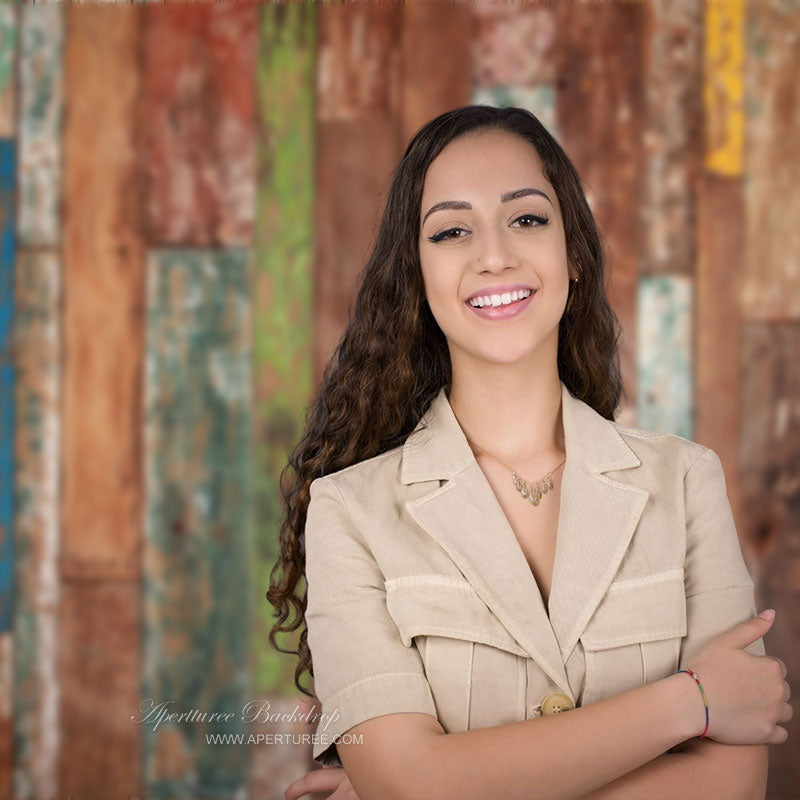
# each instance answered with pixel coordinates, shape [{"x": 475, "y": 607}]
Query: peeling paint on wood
[
  {"x": 512, "y": 44},
  {"x": 540, "y": 101},
  {"x": 36, "y": 524},
  {"x": 198, "y": 123},
  {"x": 771, "y": 286},
  {"x": 198, "y": 546},
  {"x": 8, "y": 50},
  {"x": 723, "y": 86},
  {"x": 664, "y": 350},
  {"x": 673, "y": 154},
  {"x": 281, "y": 299},
  {"x": 40, "y": 120},
  {"x": 359, "y": 61}
]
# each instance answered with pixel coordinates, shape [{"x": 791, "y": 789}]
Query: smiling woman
[{"x": 496, "y": 631}]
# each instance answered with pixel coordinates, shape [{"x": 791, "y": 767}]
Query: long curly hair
[{"x": 392, "y": 358}]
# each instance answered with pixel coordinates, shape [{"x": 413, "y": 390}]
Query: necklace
[{"x": 530, "y": 491}]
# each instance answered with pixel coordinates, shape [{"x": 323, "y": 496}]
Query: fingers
[
  {"x": 778, "y": 736},
  {"x": 320, "y": 780},
  {"x": 780, "y": 662}
]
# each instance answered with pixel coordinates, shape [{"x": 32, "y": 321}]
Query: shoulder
[
  {"x": 662, "y": 451},
  {"x": 378, "y": 474}
]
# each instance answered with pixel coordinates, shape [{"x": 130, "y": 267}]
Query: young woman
[{"x": 484, "y": 547}]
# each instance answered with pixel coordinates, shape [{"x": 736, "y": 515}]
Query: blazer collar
[{"x": 597, "y": 517}]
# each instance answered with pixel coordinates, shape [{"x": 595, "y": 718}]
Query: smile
[{"x": 501, "y": 306}]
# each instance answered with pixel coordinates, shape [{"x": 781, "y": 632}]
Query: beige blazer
[{"x": 421, "y": 599}]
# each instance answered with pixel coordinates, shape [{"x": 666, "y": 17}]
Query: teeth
[{"x": 499, "y": 299}]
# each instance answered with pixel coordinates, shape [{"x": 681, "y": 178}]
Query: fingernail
[{"x": 768, "y": 614}]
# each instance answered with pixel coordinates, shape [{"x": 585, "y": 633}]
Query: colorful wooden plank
[
  {"x": 512, "y": 45},
  {"x": 7, "y": 377},
  {"x": 432, "y": 84},
  {"x": 40, "y": 119},
  {"x": 198, "y": 123},
  {"x": 771, "y": 285},
  {"x": 600, "y": 117},
  {"x": 718, "y": 367},
  {"x": 99, "y": 652},
  {"x": 6, "y": 714},
  {"x": 723, "y": 85},
  {"x": 197, "y": 553},
  {"x": 673, "y": 50},
  {"x": 36, "y": 523},
  {"x": 104, "y": 295},
  {"x": 8, "y": 50},
  {"x": 281, "y": 300},
  {"x": 770, "y": 510},
  {"x": 359, "y": 61},
  {"x": 664, "y": 352},
  {"x": 359, "y": 141}
]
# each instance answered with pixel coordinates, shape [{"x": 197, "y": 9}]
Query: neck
[{"x": 516, "y": 420}]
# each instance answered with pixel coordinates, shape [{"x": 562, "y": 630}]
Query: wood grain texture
[
  {"x": 9, "y": 36},
  {"x": 770, "y": 510},
  {"x": 718, "y": 366},
  {"x": 359, "y": 61},
  {"x": 432, "y": 84},
  {"x": 672, "y": 135},
  {"x": 600, "y": 107},
  {"x": 771, "y": 282},
  {"x": 198, "y": 123},
  {"x": 41, "y": 113},
  {"x": 723, "y": 85},
  {"x": 664, "y": 350},
  {"x": 36, "y": 523},
  {"x": 513, "y": 44},
  {"x": 99, "y": 678},
  {"x": 359, "y": 141},
  {"x": 103, "y": 297},
  {"x": 197, "y": 553},
  {"x": 281, "y": 298}
]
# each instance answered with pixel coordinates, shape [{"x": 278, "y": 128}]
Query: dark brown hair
[{"x": 393, "y": 358}]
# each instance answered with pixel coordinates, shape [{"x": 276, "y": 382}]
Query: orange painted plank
[{"x": 104, "y": 296}]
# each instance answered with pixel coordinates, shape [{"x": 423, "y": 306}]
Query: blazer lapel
[{"x": 597, "y": 518}]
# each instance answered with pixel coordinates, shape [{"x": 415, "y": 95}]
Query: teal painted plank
[
  {"x": 197, "y": 549},
  {"x": 282, "y": 297},
  {"x": 664, "y": 352}
]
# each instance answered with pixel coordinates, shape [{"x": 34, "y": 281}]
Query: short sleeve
[
  {"x": 719, "y": 590},
  {"x": 362, "y": 669}
]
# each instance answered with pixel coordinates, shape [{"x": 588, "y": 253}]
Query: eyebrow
[{"x": 461, "y": 205}]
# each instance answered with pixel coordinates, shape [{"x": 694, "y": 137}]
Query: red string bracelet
[{"x": 692, "y": 674}]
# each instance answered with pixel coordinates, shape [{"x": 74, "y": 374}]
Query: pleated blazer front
[{"x": 420, "y": 597}]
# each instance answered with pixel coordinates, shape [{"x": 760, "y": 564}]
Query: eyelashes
[{"x": 540, "y": 219}]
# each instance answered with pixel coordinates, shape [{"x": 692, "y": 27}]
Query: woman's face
[{"x": 501, "y": 238}]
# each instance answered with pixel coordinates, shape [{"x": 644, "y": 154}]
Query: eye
[
  {"x": 444, "y": 235},
  {"x": 539, "y": 218}
]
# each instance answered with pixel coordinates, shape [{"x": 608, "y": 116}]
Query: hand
[
  {"x": 746, "y": 694},
  {"x": 327, "y": 779}
]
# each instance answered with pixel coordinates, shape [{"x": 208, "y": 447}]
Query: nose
[{"x": 494, "y": 251}]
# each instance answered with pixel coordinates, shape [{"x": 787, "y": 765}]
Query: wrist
[{"x": 683, "y": 697}]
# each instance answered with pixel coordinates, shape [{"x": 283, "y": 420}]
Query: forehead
[{"x": 487, "y": 163}]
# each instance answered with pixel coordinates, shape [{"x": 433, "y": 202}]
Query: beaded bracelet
[{"x": 691, "y": 673}]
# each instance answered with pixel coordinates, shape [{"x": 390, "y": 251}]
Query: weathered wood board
[{"x": 198, "y": 522}]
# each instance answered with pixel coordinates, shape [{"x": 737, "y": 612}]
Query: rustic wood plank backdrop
[{"x": 189, "y": 192}]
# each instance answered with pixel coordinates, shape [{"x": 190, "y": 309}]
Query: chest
[{"x": 535, "y": 527}]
